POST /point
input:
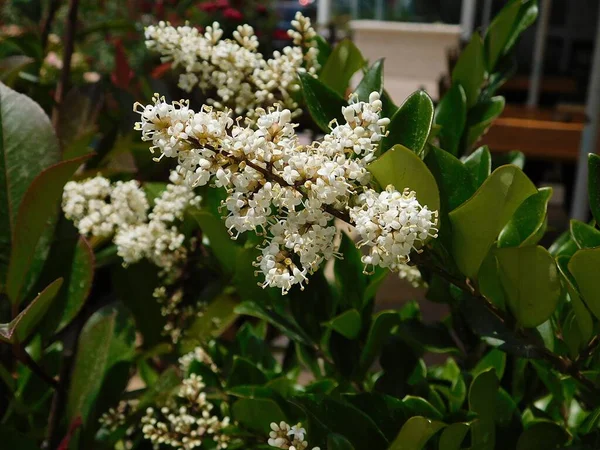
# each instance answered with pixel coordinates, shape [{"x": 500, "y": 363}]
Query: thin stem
[
  {"x": 47, "y": 23},
  {"x": 65, "y": 74},
  {"x": 24, "y": 357},
  {"x": 561, "y": 364}
]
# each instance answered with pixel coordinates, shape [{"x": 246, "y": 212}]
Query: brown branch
[
  {"x": 24, "y": 357},
  {"x": 560, "y": 363},
  {"x": 47, "y": 23},
  {"x": 65, "y": 74}
]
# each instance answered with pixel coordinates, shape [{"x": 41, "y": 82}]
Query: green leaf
[
  {"x": 348, "y": 324},
  {"x": 402, "y": 168},
  {"x": 494, "y": 359},
  {"x": 27, "y": 147},
  {"x": 13, "y": 439},
  {"x": 215, "y": 320},
  {"x": 420, "y": 407},
  {"x": 386, "y": 411},
  {"x": 372, "y": 81},
  {"x": 594, "y": 185},
  {"x": 477, "y": 223},
  {"x": 345, "y": 60},
  {"x": 21, "y": 327},
  {"x": 323, "y": 104},
  {"x": 245, "y": 373},
  {"x": 543, "y": 434},
  {"x": 257, "y": 407},
  {"x": 469, "y": 70},
  {"x": 415, "y": 433},
  {"x": 489, "y": 280},
  {"x": 349, "y": 274},
  {"x": 338, "y": 442},
  {"x": 584, "y": 235},
  {"x": 527, "y": 16},
  {"x": 500, "y": 33},
  {"x": 134, "y": 286},
  {"x": 527, "y": 221},
  {"x": 324, "y": 49},
  {"x": 479, "y": 164},
  {"x": 451, "y": 115},
  {"x": 530, "y": 279},
  {"x": 11, "y": 67},
  {"x": 107, "y": 338},
  {"x": 584, "y": 268},
  {"x": 382, "y": 324},
  {"x": 481, "y": 117},
  {"x": 582, "y": 315},
  {"x": 336, "y": 416},
  {"x": 39, "y": 205},
  {"x": 453, "y": 436},
  {"x": 411, "y": 124},
  {"x": 285, "y": 324},
  {"x": 224, "y": 248},
  {"x": 483, "y": 395},
  {"x": 453, "y": 178}
]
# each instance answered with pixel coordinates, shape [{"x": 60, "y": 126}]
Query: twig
[
  {"x": 47, "y": 23},
  {"x": 24, "y": 357},
  {"x": 65, "y": 74}
]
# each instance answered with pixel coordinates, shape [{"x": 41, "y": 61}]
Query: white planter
[{"x": 415, "y": 53}]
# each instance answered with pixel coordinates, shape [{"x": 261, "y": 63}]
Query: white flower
[
  {"x": 288, "y": 438},
  {"x": 241, "y": 78}
]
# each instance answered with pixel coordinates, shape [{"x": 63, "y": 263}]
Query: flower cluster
[
  {"x": 291, "y": 192},
  {"x": 185, "y": 421},
  {"x": 232, "y": 71},
  {"x": 288, "y": 437},
  {"x": 119, "y": 210},
  {"x": 197, "y": 355},
  {"x": 391, "y": 224}
]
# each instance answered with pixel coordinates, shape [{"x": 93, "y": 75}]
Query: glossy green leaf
[
  {"x": 453, "y": 436},
  {"x": 530, "y": 279},
  {"x": 324, "y": 49},
  {"x": 527, "y": 221},
  {"x": 415, "y": 433},
  {"x": 584, "y": 235},
  {"x": 245, "y": 373},
  {"x": 338, "y": 442},
  {"x": 470, "y": 69},
  {"x": 11, "y": 67},
  {"x": 527, "y": 16},
  {"x": 348, "y": 324},
  {"x": 582, "y": 315},
  {"x": 543, "y": 434},
  {"x": 494, "y": 359},
  {"x": 372, "y": 81},
  {"x": 382, "y": 324},
  {"x": 285, "y": 324},
  {"x": 107, "y": 339},
  {"x": 477, "y": 223},
  {"x": 420, "y": 407},
  {"x": 594, "y": 184},
  {"x": 411, "y": 124},
  {"x": 323, "y": 103},
  {"x": 499, "y": 33},
  {"x": 23, "y": 325},
  {"x": 345, "y": 60},
  {"x": 479, "y": 164},
  {"x": 453, "y": 178},
  {"x": 257, "y": 407},
  {"x": 134, "y": 286},
  {"x": 39, "y": 205},
  {"x": 224, "y": 248},
  {"x": 336, "y": 416},
  {"x": 584, "y": 268},
  {"x": 402, "y": 168},
  {"x": 483, "y": 394},
  {"x": 28, "y": 145},
  {"x": 481, "y": 117},
  {"x": 451, "y": 115},
  {"x": 349, "y": 274},
  {"x": 563, "y": 245},
  {"x": 489, "y": 280},
  {"x": 215, "y": 320},
  {"x": 386, "y": 411}
]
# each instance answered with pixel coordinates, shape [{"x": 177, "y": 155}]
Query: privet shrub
[{"x": 233, "y": 306}]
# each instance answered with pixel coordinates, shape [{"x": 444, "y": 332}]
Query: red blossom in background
[
  {"x": 123, "y": 74},
  {"x": 233, "y": 14},
  {"x": 221, "y": 4},
  {"x": 208, "y": 7}
]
